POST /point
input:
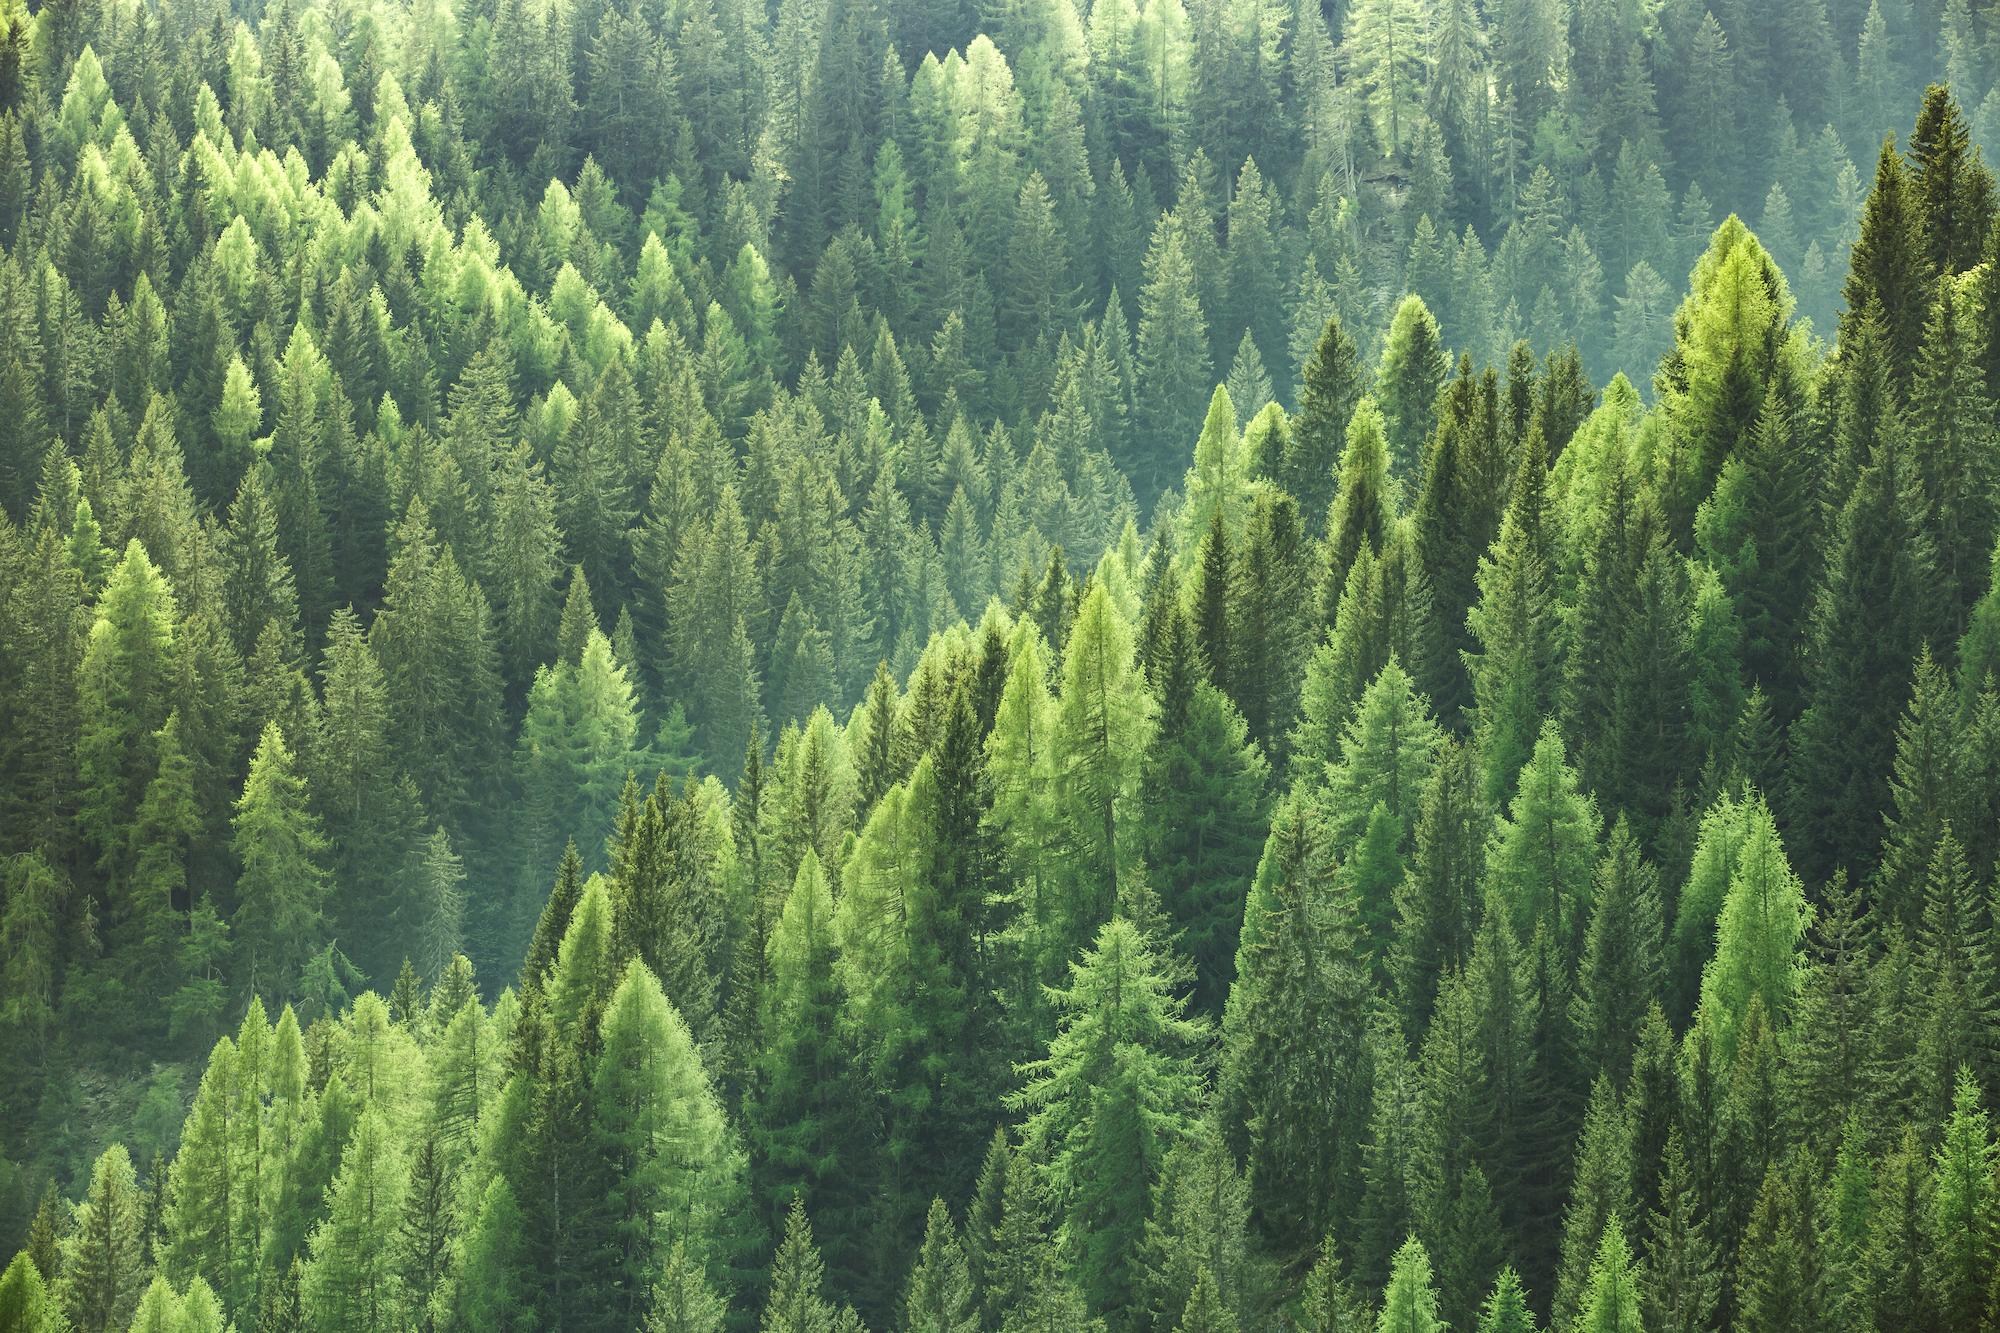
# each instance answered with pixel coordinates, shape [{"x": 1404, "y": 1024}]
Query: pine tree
[
  {"x": 167, "y": 831},
  {"x": 1951, "y": 189},
  {"x": 25, "y": 1300},
  {"x": 1544, "y": 850},
  {"x": 425, "y": 1233},
  {"x": 1780, "y": 1283},
  {"x": 1363, "y": 507},
  {"x": 1294, "y": 1033},
  {"x": 1202, "y": 797},
  {"x": 1600, "y": 1204},
  {"x": 674, "y": 1168},
  {"x": 1200, "y": 1231},
  {"x": 682, "y": 1301},
  {"x": 123, "y": 695},
  {"x": 1620, "y": 971},
  {"x": 1763, "y": 919},
  {"x": 803, "y": 1110},
  {"x": 1414, "y": 367},
  {"x": 1889, "y": 272},
  {"x": 1173, "y": 363},
  {"x": 1506, "y": 1309},
  {"x": 1437, "y": 904}
]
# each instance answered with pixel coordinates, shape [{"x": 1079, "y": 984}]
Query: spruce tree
[
  {"x": 1516, "y": 667},
  {"x": 102, "y": 1271},
  {"x": 1328, "y": 391},
  {"x": 1414, "y": 367},
  {"x": 1293, "y": 1033},
  {"x": 1961, "y": 1223},
  {"x": 939, "y": 1299},
  {"x": 795, "y": 1304},
  {"x": 674, "y": 1167},
  {"x": 1757, "y": 935},
  {"x": 1620, "y": 970},
  {"x": 1112, "y": 1096},
  {"x": 123, "y": 686},
  {"x": 1612, "y": 1303}
]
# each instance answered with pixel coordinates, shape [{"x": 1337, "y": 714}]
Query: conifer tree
[
  {"x": 351, "y": 1278},
  {"x": 1410, "y": 1303},
  {"x": 1414, "y": 367},
  {"x": 1680, "y": 1283},
  {"x": 795, "y": 1304},
  {"x": 939, "y": 1299},
  {"x": 1270, "y": 621},
  {"x": 1780, "y": 1283},
  {"x": 1951, "y": 188},
  {"x": 1544, "y": 849},
  {"x": 1600, "y": 1202},
  {"x": 1456, "y": 515},
  {"x": 1620, "y": 970},
  {"x": 1329, "y": 388},
  {"x": 102, "y": 1270},
  {"x": 1294, "y": 1029},
  {"x": 1173, "y": 362},
  {"x": 167, "y": 830},
  {"x": 25, "y": 1300},
  {"x": 1757, "y": 935},
  {"x": 682, "y": 1301},
  {"x": 1106, "y": 1104},
  {"x": 280, "y": 895},
  {"x": 675, "y": 1168},
  {"x": 1506, "y": 1309},
  {"x": 1104, "y": 720},
  {"x": 1202, "y": 795},
  {"x": 123, "y": 686},
  {"x": 1363, "y": 505},
  {"x": 1961, "y": 1224},
  {"x": 1200, "y": 1231},
  {"x": 1437, "y": 904},
  {"x": 1515, "y": 668},
  {"x": 1612, "y": 1304},
  {"x": 802, "y": 1113}
]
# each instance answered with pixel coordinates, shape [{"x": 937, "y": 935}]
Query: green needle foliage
[{"x": 1136, "y": 666}]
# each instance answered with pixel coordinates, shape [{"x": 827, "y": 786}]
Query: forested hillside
[{"x": 1182, "y": 667}]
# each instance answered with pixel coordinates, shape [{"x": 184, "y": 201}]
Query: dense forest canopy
[{"x": 1174, "y": 666}]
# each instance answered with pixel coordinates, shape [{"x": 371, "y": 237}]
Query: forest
[{"x": 1034, "y": 666}]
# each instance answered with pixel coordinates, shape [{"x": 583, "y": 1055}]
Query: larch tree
[
  {"x": 279, "y": 921},
  {"x": 124, "y": 685},
  {"x": 1104, "y": 719},
  {"x": 1763, "y": 920},
  {"x": 351, "y": 1277}
]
